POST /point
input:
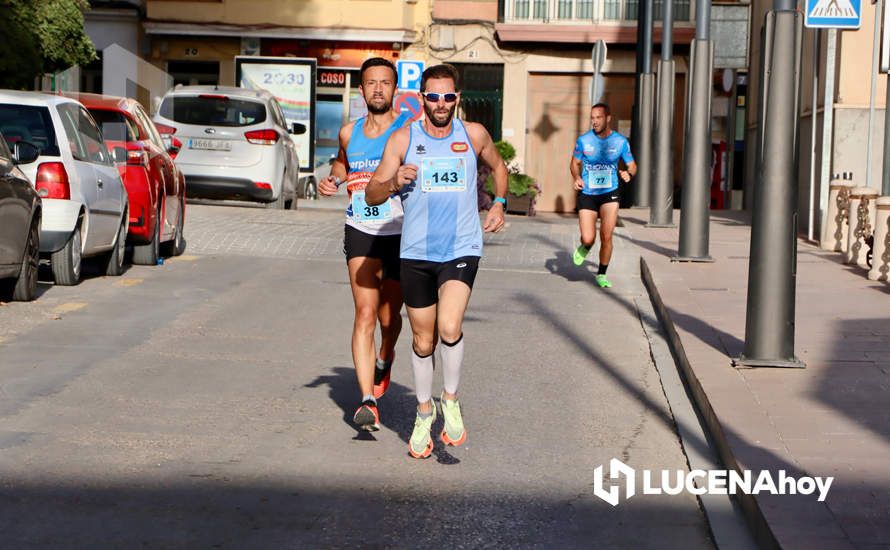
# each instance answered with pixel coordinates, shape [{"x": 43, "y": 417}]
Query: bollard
[
  {"x": 835, "y": 232},
  {"x": 880, "y": 261},
  {"x": 860, "y": 213}
]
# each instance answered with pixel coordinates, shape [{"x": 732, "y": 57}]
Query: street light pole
[
  {"x": 696, "y": 201},
  {"x": 661, "y": 212},
  {"x": 772, "y": 269},
  {"x": 645, "y": 106}
]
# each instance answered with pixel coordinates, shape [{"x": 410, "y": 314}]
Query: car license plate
[{"x": 210, "y": 144}]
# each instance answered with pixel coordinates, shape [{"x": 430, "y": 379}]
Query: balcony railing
[{"x": 585, "y": 11}]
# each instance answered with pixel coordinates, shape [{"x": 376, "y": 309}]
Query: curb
[{"x": 760, "y": 528}]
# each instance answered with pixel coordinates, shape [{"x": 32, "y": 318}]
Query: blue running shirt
[
  {"x": 599, "y": 161},
  {"x": 441, "y": 208},
  {"x": 363, "y": 155}
]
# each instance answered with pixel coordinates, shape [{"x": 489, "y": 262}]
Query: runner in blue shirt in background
[{"x": 595, "y": 171}]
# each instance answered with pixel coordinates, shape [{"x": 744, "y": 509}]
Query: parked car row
[{"x": 89, "y": 191}]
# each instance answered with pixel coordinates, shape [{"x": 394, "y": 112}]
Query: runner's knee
[
  {"x": 450, "y": 331},
  {"x": 365, "y": 317},
  {"x": 424, "y": 344}
]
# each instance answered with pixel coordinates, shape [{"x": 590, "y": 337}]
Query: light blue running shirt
[
  {"x": 364, "y": 154},
  {"x": 441, "y": 209},
  {"x": 599, "y": 161}
]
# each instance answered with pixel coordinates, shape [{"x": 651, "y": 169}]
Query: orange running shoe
[
  {"x": 367, "y": 417},
  {"x": 381, "y": 378}
]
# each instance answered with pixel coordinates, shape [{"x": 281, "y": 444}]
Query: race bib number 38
[
  {"x": 443, "y": 174},
  {"x": 364, "y": 213}
]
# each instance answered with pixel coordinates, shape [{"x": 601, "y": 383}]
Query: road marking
[
  {"x": 69, "y": 307},
  {"x": 184, "y": 258},
  {"x": 129, "y": 282}
]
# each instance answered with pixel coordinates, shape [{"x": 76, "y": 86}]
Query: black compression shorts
[
  {"x": 594, "y": 202},
  {"x": 358, "y": 244},
  {"x": 421, "y": 279}
]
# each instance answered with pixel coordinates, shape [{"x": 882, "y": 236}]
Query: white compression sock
[
  {"x": 423, "y": 376},
  {"x": 452, "y": 359}
]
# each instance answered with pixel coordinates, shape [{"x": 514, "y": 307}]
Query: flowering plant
[{"x": 518, "y": 183}]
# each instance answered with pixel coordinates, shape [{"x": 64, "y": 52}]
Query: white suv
[
  {"x": 235, "y": 143},
  {"x": 84, "y": 200}
]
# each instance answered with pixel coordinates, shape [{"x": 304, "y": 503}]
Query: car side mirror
[
  {"x": 25, "y": 152},
  {"x": 119, "y": 154},
  {"x": 298, "y": 129}
]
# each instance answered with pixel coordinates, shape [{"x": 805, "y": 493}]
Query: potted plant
[{"x": 522, "y": 189}]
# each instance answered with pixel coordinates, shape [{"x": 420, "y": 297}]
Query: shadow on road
[{"x": 397, "y": 408}]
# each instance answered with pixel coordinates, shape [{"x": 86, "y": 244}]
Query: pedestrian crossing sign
[{"x": 834, "y": 14}]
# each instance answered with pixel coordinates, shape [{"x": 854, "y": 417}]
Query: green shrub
[{"x": 518, "y": 184}]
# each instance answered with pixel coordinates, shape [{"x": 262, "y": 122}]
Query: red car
[{"x": 155, "y": 186}]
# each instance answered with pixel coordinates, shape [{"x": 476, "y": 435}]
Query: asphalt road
[{"x": 207, "y": 403}]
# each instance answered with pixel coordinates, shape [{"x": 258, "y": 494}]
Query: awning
[{"x": 297, "y": 33}]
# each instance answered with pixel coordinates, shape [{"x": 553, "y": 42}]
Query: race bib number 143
[{"x": 443, "y": 174}]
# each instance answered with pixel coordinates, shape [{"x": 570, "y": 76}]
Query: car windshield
[
  {"x": 115, "y": 125},
  {"x": 213, "y": 110},
  {"x": 29, "y": 123}
]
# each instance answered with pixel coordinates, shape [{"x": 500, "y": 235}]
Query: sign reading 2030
[{"x": 284, "y": 78}]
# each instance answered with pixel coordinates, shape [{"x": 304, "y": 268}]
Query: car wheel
[
  {"x": 26, "y": 285},
  {"x": 147, "y": 254},
  {"x": 66, "y": 263},
  {"x": 310, "y": 191},
  {"x": 277, "y": 204},
  {"x": 177, "y": 246},
  {"x": 115, "y": 265}
]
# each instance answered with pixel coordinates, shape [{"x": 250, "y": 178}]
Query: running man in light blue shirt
[
  {"x": 432, "y": 165},
  {"x": 595, "y": 171}
]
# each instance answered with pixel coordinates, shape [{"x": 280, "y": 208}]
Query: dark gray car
[{"x": 19, "y": 223}]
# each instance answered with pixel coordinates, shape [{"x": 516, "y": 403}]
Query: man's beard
[
  {"x": 385, "y": 107},
  {"x": 439, "y": 124}
]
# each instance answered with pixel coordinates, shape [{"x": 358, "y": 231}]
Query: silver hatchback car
[{"x": 235, "y": 143}]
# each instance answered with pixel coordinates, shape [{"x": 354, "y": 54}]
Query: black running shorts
[
  {"x": 357, "y": 244},
  {"x": 594, "y": 202},
  {"x": 421, "y": 279}
]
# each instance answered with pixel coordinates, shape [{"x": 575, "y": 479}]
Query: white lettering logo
[{"x": 701, "y": 482}]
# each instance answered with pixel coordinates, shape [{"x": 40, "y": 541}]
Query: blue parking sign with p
[{"x": 409, "y": 74}]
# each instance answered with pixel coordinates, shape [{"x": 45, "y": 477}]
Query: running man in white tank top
[
  {"x": 371, "y": 240},
  {"x": 432, "y": 165}
]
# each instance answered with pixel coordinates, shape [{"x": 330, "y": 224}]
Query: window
[
  {"x": 213, "y": 110},
  {"x": 564, "y": 9},
  {"x": 68, "y": 114},
  {"x": 92, "y": 138},
  {"x": 584, "y": 8},
  {"x": 149, "y": 126},
  {"x": 31, "y": 124},
  {"x": 540, "y": 9},
  {"x": 520, "y": 9},
  {"x": 115, "y": 125}
]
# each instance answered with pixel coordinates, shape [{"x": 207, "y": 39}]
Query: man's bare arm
[
  {"x": 488, "y": 153},
  {"x": 390, "y": 175}
]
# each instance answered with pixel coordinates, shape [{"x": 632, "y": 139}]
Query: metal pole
[
  {"x": 811, "y": 215},
  {"x": 643, "y": 183},
  {"x": 730, "y": 138},
  {"x": 885, "y": 173},
  {"x": 661, "y": 212},
  {"x": 769, "y": 326},
  {"x": 876, "y": 50},
  {"x": 827, "y": 131},
  {"x": 695, "y": 211}
]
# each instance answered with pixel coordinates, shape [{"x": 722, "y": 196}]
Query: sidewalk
[{"x": 830, "y": 419}]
